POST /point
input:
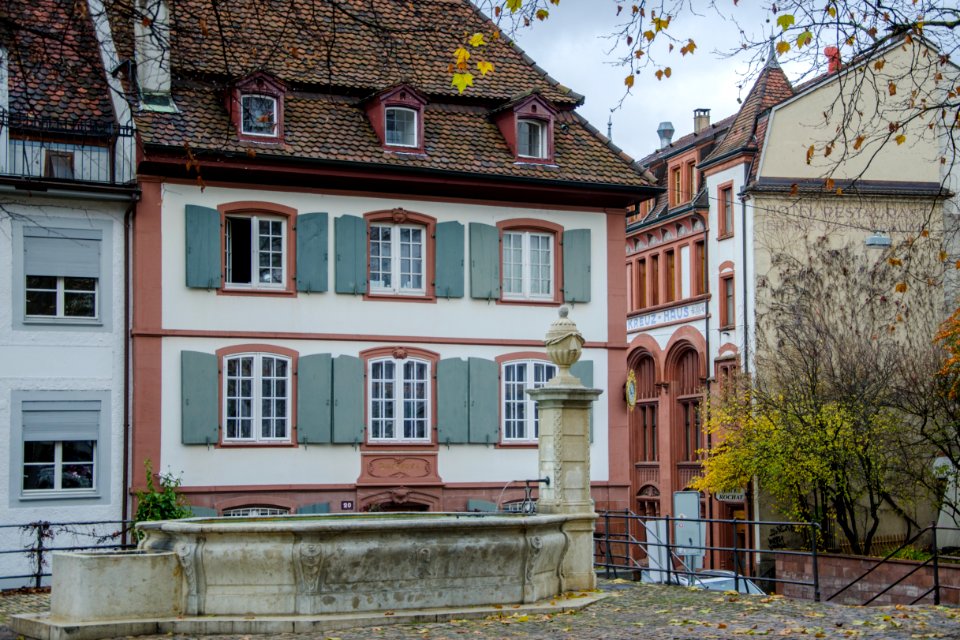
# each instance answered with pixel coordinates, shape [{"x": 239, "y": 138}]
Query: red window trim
[
  {"x": 403, "y": 96},
  {"x": 542, "y": 226},
  {"x": 507, "y": 358},
  {"x": 251, "y": 208},
  {"x": 725, "y": 322},
  {"x": 722, "y": 232},
  {"x": 254, "y": 348},
  {"x": 402, "y": 216},
  {"x": 400, "y": 352},
  {"x": 532, "y": 108},
  {"x": 261, "y": 84}
]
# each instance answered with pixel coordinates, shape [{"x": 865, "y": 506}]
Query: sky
[{"x": 572, "y": 47}]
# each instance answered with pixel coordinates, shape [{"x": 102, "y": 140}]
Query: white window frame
[
  {"x": 58, "y": 465},
  {"x": 526, "y": 266},
  {"x": 523, "y": 143},
  {"x": 255, "y": 253},
  {"x": 256, "y": 399},
  {"x": 396, "y": 260},
  {"x": 399, "y": 404},
  {"x": 527, "y": 429},
  {"x": 276, "y": 115},
  {"x": 415, "y": 126},
  {"x": 61, "y": 306},
  {"x": 255, "y": 512}
]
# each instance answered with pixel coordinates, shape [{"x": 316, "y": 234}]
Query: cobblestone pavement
[{"x": 638, "y": 611}]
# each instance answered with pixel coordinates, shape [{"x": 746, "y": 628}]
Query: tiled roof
[
  {"x": 457, "y": 138},
  {"x": 771, "y": 88},
  {"x": 365, "y": 45},
  {"x": 55, "y": 72},
  {"x": 331, "y": 60}
]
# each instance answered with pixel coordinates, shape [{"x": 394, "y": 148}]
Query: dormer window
[
  {"x": 531, "y": 138},
  {"x": 527, "y": 126},
  {"x": 396, "y": 116},
  {"x": 401, "y": 127},
  {"x": 258, "y": 115},
  {"x": 255, "y": 105}
]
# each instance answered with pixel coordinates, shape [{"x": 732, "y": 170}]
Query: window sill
[
  {"x": 59, "y": 495},
  {"x": 530, "y": 301},
  {"x": 525, "y": 444},
  {"x": 277, "y": 293},
  {"x": 50, "y": 321},
  {"x": 728, "y": 327},
  {"x": 231, "y": 444},
  {"x": 399, "y": 297},
  {"x": 405, "y": 445},
  {"x": 725, "y": 236}
]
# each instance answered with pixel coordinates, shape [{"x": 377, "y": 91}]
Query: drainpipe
[
  {"x": 127, "y": 357},
  {"x": 746, "y": 347}
]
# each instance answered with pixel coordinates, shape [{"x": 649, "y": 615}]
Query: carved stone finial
[{"x": 564, "y": 345}]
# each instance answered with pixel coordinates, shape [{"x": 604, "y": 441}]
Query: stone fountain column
[{"x": 564, "y": 446}]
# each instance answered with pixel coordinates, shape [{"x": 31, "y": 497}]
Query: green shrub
[
  {"x": 163, "y": 502},
  {"x": 912, "y": 553}
]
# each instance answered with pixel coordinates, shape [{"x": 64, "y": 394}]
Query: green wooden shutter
[
  {"x": 203, "y": 247},
  {"x": 351, "y": 248},
  {"x": 347, "y": 400},
  {"x": 449, "y": 260},
  {"x": 576, "y": 265},
  {"x": 484, "y": 261},
  {"x": 316, "y": 507},
  {"x": 199, "y": 398},
  {"x": 312, "y": 252},
  {"x": 583, "y": 369},
  {"x": 202, "y": 512},
  {"x": 452, "y": 398},
  {"x": 484, "y": 407},
  {"x": 314, "y": 388}
]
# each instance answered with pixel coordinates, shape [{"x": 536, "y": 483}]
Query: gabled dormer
[
  {"x": 527, "y": 127},
  {"x": 397, "y": 118},
  {"x": 255, "y": 105}
]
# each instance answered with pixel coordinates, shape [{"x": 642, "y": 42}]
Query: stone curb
[{"x": 42, "y": 627}]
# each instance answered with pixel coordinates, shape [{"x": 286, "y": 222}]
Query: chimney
[
  {"x": 665, "y": 131},
  {"x": 151, "y": 32},
  {"x": 701, "y": 119},
  {"x": 833, "y": 58}
]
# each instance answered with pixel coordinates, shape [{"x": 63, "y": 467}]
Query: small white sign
[
  {"x": 731, "y": 496},
  {"x": 673, "y": 314}
]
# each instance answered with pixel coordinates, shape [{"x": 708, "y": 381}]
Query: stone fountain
[{"x": 322, "y": 572}]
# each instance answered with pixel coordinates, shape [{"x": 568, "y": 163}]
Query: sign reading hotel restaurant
[
  {"x": 730, "y": 496},
  {"x": 663, "y": 316}
]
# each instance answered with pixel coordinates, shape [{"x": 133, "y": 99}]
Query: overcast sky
[{"x": 571, "y": 46}]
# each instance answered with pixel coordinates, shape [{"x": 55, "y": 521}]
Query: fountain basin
[{"x": 326, "y": 564}]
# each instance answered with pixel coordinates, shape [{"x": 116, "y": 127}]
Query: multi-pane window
[
  {"x": 401, "y": 127},
  {"x": 676, "y": 185},
  {"x": 670, "y": 289},
  {"x": 726, "y": 211},
  {"x": 727, "y": 308},
  {"x": 641, "y": 284},
  {"x": 700, "y": 269},
  {"x": 58, "y": 465},
  {"x": 520, "y": 418},
  {"x": 258, "y": 115},
  {"x": 397, "y": 258},
  {"x": 531, "y": 139},
  {"x": 689, "y": 395},
  {"x": 399, "y": 400},
  {"x": 257, "y": 398},
  {"x": 58, "y": 445},
  {"x": 655, "y": 280},
  {"x": 645, "y": 413},
  {"x": 528, "y": 265},
  {"x": 255, "y": 247},
  {"x": 61, "y": 297},
  {"x": 255, "y": 512},
  {"x": 61, "y": 269}
]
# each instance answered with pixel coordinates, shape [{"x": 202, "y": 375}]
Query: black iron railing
[
  {"x": 622, "y": 545},
  {"x": 38, "y": 540}
]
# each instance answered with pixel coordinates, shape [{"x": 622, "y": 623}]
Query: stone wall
[{"x": 837, "y": 571}]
